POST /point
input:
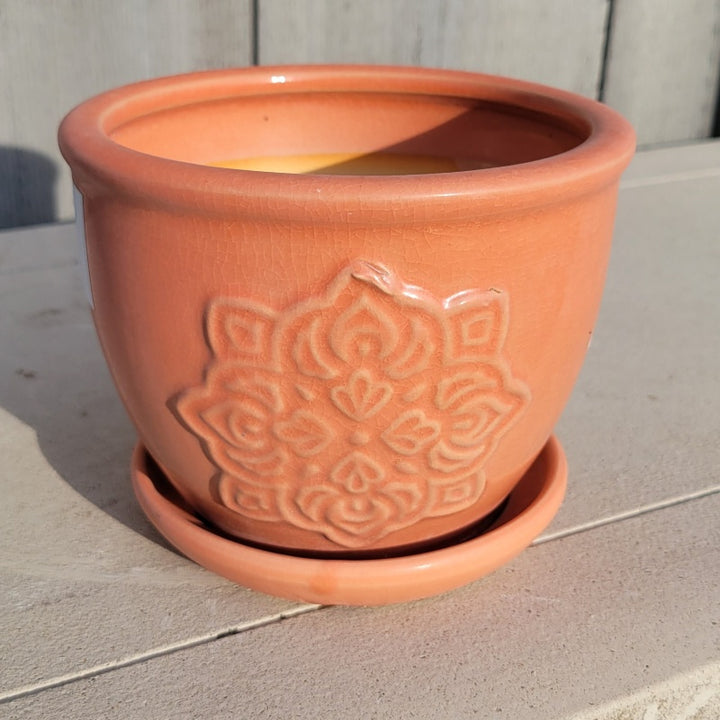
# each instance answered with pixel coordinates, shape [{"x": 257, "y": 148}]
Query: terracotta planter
[{"x": 333, "y": 368}]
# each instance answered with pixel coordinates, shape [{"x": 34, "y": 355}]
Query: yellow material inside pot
[{"x": 379, "y": 163}]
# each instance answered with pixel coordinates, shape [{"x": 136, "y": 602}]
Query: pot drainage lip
[{"x": 528, "y": 511}]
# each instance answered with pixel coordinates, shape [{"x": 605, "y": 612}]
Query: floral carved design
[{"x": 357, "y": 412}]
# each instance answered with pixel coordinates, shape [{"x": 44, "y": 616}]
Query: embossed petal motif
[{"x": 358, "y": 412}]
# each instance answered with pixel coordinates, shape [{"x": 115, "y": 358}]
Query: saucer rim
[{"x": 377, "y": 581}]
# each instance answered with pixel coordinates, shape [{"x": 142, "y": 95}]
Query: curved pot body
[{"x": 340, "y": 363}]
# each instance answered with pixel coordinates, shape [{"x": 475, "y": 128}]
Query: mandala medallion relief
[{"x": 357, "y": 412}]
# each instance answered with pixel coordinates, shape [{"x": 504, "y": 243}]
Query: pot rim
[{"x": 101, "y": 165}]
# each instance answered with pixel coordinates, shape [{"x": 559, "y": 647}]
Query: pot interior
[{"x": 352, "y": 132}]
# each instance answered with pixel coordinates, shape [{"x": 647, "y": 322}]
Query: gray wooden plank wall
[
  {"x": 657, "y": 61},
  {"x": 662, "y": 69},
  {"x": 56, "y": 53},
  {"x": 558, "y": 42}
]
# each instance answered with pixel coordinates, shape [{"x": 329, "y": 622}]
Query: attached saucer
[{"x": 530, "y": 508}]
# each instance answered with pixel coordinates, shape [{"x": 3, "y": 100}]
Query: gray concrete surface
[
  {"x": 569, "y": 625},
  {"x": 85, "y": 580},
  {"x": 612, "y": 614}
]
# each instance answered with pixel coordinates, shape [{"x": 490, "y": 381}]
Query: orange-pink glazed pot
[{"x": 344, "y": 306}]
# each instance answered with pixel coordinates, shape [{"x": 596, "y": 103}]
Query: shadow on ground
[{"x": 53, "y": 376}]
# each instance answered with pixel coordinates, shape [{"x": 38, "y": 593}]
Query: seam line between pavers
[
  {"x": 101, "y": 669},
  {"x": 138, "y": 658},
  {"x": 665, "y": 178},
  {"x": 627, "y": 515}
]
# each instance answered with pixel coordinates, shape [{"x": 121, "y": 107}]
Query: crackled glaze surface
[
  {"x": 302, "y": 403},
  {"x": 356, "y": 412}
]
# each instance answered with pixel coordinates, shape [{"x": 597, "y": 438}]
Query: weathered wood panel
[
  {"x": 55, "y": 54},
  {"x": 560, "y": 42},
  {"x": 663, "y": 64},
  {"x": 662, "y": 67}
]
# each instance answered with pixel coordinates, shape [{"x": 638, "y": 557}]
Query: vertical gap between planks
[
  {"x": 606, "y": 50},
  {"x": 255, "y": 38},
  {"x": 716, "y": 121}
]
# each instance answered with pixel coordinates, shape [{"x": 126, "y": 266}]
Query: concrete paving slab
[
  {"x": 643, "y": 422},
  {"x": 34, "y": 248},
  {"x": 673, "y": 163},
  {"x": 87, "y": 584},
  {"x": 84, "y": 578},
  {"x": 629, "y": 611}
]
